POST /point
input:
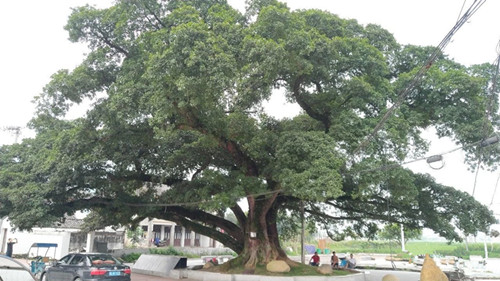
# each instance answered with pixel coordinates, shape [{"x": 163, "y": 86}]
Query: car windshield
[
  {"x": 10, "y": 274},
  {"x": 103, "y": 260}
]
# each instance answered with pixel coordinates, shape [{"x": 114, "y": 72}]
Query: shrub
[
  {"x": 169, "y": 251},
  {"x": 132, "y": 257}
]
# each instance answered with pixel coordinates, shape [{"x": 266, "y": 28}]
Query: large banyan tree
[{"x": 176, "y": 127}]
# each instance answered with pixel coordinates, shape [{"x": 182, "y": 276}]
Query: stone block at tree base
[
  {"x": 325, "y": 269},
  {"x": 208, "y": 265},
  {"x": 277, "y": 266},
  {"x": 390, "y": 277}
]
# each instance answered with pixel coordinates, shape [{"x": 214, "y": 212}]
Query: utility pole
[
  {"x": 485, "y": 247},
  {"x": 14, "y": 130},
  {"x": 402, "y": 238},
  {"x": 302, "y": 256},
  {"x": 487, "y": 142}
]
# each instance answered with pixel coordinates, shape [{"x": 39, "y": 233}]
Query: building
[
  {"x": 67, "y": 235},
  {"x": 70, "y": 238},
  {"x": 174, "y": 235}
]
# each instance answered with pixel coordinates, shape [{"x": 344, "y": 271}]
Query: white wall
[
  {"x": 26, "y": 239},
  {"x": 38, "y": 235}
]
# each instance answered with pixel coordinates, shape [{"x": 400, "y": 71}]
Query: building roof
[{"x": 69, "y": 222}]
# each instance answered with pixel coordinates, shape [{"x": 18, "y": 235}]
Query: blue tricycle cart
[{"x": 41, "y": 260}]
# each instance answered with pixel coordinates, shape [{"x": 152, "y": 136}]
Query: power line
[
  {"x": 495, "y": 190},
  {"x": 386, "y": 167},
  {"x": 475, "y": 177},
  {"x": 488, "y": 112},
  {"x": 461, "y": 9},
  {"x": 420, "y": 74},
  {"x": 493, "y": 88}
]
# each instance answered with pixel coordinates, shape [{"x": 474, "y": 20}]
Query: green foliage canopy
[{"x": 393, "y": 232}]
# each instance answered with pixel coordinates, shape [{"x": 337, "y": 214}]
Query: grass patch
[
  {"x": 453, "y": 249},
  {"x": 296, "y": 270},
  {"x": 355, "y": 246}
]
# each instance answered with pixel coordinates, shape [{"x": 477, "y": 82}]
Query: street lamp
[
  {"x": 490, "y": 141},
  {"x": 435, "y": 158}
]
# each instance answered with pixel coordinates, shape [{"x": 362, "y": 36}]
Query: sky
[{"x": 35, "y": 45}]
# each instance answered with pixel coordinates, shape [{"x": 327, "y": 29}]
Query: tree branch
[
  {"x": 362, "y": 217},
  {"x": 239, "y": 214},
  {"x": 155, "y": 16},
  {"x": 111, "y": 44},
  {"x": 270, "y": 201},
  {"x": 309, "y": 109},
  {"x": 144, "y": 178},
  {"x": 204, "y": 230},
  {"x": 206, "y": 218}
]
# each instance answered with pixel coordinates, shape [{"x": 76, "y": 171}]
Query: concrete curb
[{"x": 212, "y": 276}]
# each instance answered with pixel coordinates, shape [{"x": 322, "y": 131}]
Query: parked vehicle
[
  {"x": 87, "y": 267},
  {"x": 41, "y": 260},
  {"x": 458, "y": 275},
  {"x": 12, "y": 270}
]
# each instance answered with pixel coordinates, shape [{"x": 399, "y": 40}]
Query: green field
[
  {"x": 414, "y": 247},
  {"x": 454, "y": 249}
]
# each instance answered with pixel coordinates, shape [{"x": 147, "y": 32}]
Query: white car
[{"x": 12, "y": 270}]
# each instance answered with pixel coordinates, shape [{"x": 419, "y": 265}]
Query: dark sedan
[{"x": 87, "y": 267}]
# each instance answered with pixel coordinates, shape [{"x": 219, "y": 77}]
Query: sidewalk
[{"x": 142, "y": 277}]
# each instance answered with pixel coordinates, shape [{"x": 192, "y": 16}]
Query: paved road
[
  {"x": 141, "y": 277},
  {"x": 372, "y": 275},
  {"x": 376, "y": 275}
]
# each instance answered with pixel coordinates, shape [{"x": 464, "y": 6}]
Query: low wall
[
  {"x": 212, "y": 276},
  {"x": 195, "y": 251},
  {"x": 158, "y": 265}
]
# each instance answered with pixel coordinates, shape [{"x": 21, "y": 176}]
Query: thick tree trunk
[
  {"x": 261, "y": 242},
  {"x": 260, "y": 250}
]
